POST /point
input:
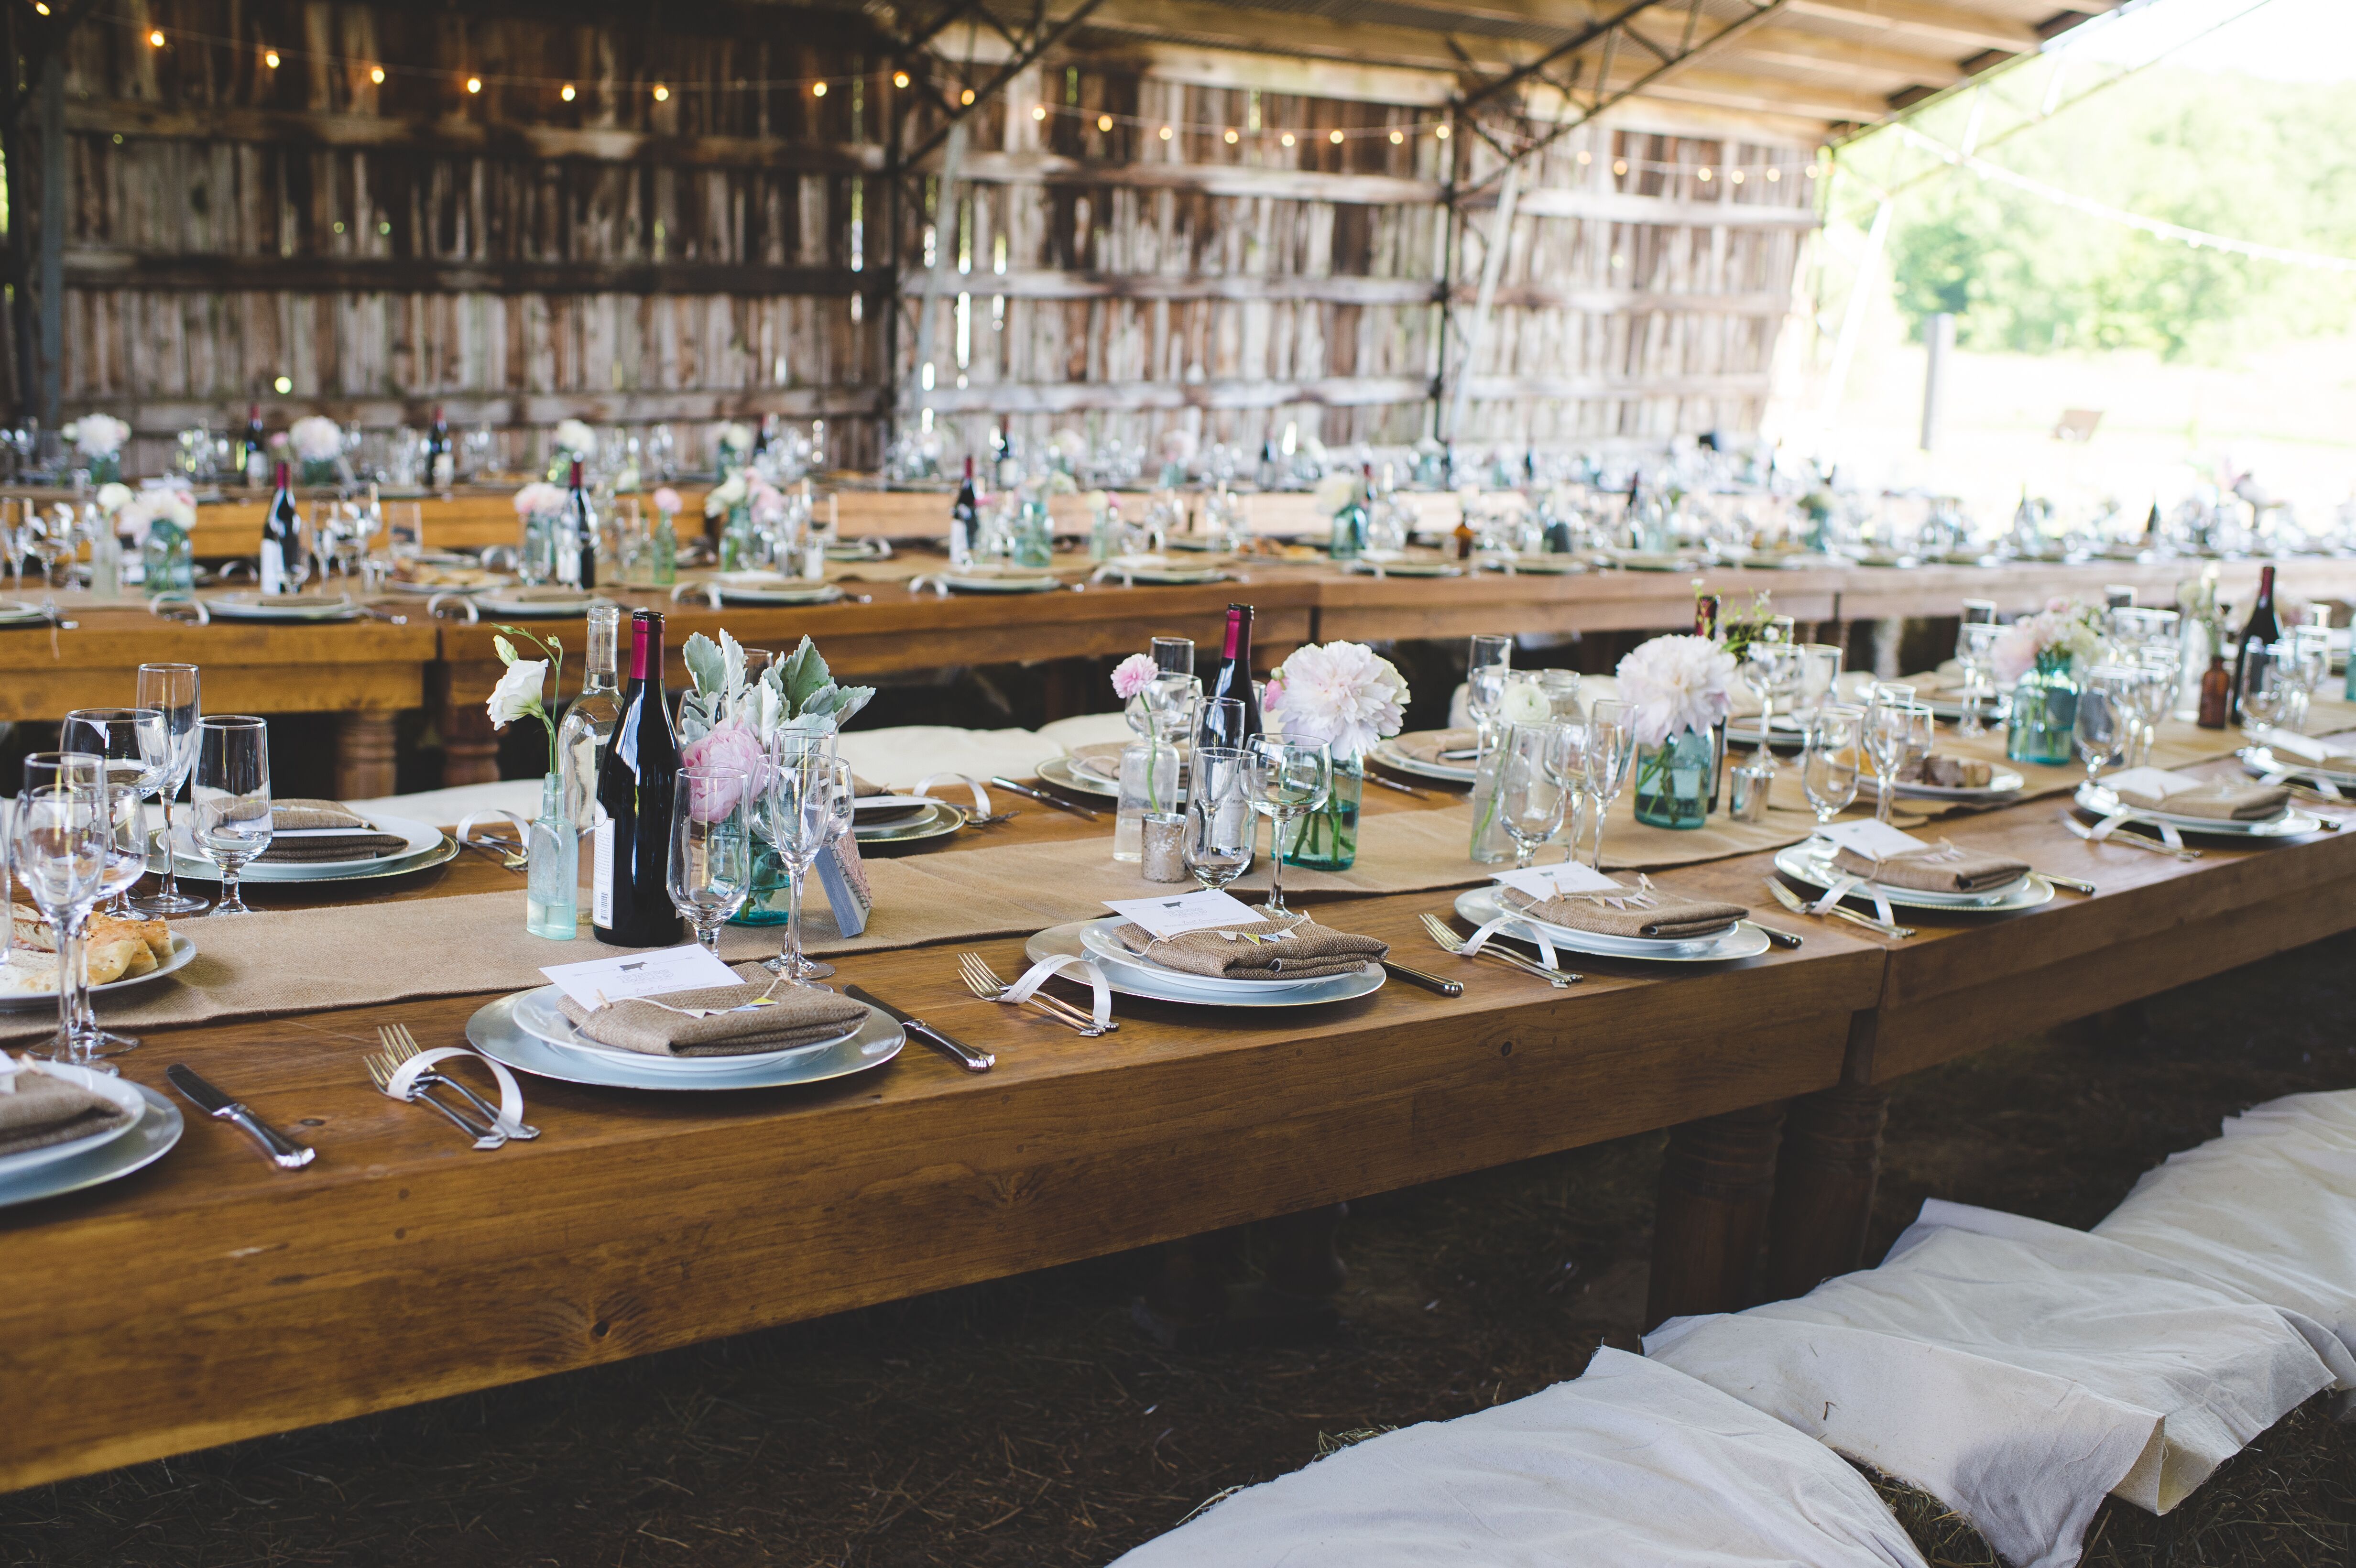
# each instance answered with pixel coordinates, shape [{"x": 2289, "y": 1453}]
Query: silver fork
[
  {"x": 1797, "y": 905},
  {"x": 400, "y": 1045},
  {"x": 381, "y": 1071},
  {"x": 1450, "y": 943},
  {"x": 2080, "y": 830},
  {"x": 973, "y": 820},
  {"x": 983, "y": 982}
]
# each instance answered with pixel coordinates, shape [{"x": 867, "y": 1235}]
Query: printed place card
[
  {"x": 656, "y": 974},
  {"x": 2152, "y": 784},
  {"x": 1553, "y": 881},
  {"x": 1877, "y": 839},
  {"x": 1201, "y": 911}
]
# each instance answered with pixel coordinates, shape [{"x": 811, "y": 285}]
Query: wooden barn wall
[{"x": 727, "y": 253}]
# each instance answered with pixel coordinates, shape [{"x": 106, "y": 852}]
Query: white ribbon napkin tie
[
  {"x": 402, "y": 1086},
  {"x": 1055, "y": 962},
  {"x": 980, "y": 795}
]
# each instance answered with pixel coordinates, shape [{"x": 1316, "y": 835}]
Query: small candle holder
[
  {"x": 1746, "y": 799},
  {"x": 1162, "y": 834}
]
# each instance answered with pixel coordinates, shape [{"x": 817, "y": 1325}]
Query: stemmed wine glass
[
  {"x": 57, "y": 843},
  {"x": 1221, "y": 830},
  {"x": 137, "y": 749},
  {"x": 1975, "y": 654},
  {"x": 1286, "y": 781},
  {"x": 1611, "y": 749},
  {"x": 1219, "y": 722},
  {"x": 1896, "y": 733},
  {"x": 2305, "y": 654},
  {"x": 173, "y": 690},
  {"x": 231, "y": 797},
  {"x": 810, "y": 807},
  {"x": 1488, "y": 664},
  {"x": 1828, "y": 767},
  {"x": 1770, "y": 670},
  {"x": 2109, "y": 713},
  {"x": 1530, "y": 793},
  {"x": 711, "y": 849},
  {"x": 2161, "y": 668},
  {"x": 1819, "y": 680}
]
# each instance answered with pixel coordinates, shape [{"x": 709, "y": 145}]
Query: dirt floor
[{"x": 1029, "y": 1423}]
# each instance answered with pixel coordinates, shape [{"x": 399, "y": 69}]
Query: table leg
[
  {"x": 364, "y": 756},
  {"x": 1823, "y": 1186},
  {"x": 470, "y": 747},
  {"x": 1196, "y": 1299},
  {"x": 1718, "y": 1180}
]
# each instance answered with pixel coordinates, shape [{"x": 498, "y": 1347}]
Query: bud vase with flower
[{"x": 554, "y": 844}]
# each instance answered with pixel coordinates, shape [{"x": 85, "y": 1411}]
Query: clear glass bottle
[
  {"x": 588, "y": 725},
  {"x": 552, "y": 876},
  {"x": 1034, "y": 535}
]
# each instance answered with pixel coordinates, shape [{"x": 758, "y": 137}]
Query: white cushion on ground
[
  {"x": 2019, "y": 1372},
  {"x": 445, "y": 807},
  {"x": 2267, "y": 1211},
  {"x": 1631, "y": 1465}
]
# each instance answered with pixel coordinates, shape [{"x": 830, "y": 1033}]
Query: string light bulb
[
  {"x": 1104, "y": 121},
  {"x": 1287, "y": 138},
  {"x": 1165, "y": 132},
  {"x": 40, "y": 7},
  {"x": 376, "y": 73},
  {"x": 899, "y": 78},
  {"x": 1703, "y": 173},
  {"x": 1396, "y": 137},
  {"x": 662, "y": 93},
  {"x": 565, "y": 93},
  {"x": 155, "y": 37},
  {"x": 1232, "y": 137},
  {"x": 474, "y": 84},
  {"x": 1334, "y": 137},
  {"x": 1618, "y": 166},
  {"x": 1734, "y": 176},
  {"x": 1774, "y": 174},
  {"x": 1585, "y": 157},
  {"x": 817, "y": 90},
  {"x": 1038, "y": 111},
  {"x": 966, "y": 98},
  {"x": 270, "y": 59},
  {"x": 1811, "y": 171},
  {"x": 1440, "y": 131}
]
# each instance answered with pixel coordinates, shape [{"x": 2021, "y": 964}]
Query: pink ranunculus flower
[
  {"x": 1133, "y": 674},
  {"x": 667, "y": 501},
  {"x": 727, "y": 746}
]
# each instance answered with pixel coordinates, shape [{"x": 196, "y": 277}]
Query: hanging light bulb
[
  {"x": 1734, "y": 176},
  {"x": 1618, "y": 166},
  {"x": 966, "y": 98},
  {"x": 1334, "y": 137},
  {"x": 817, "y": 90},
  {"x": 1398, "y": 137},
  {"x": 662, "y": 93},
  {"x": 1585, "y": 157},
  {"x": 1232, "y": 137},
  {"x": 1774, "y": 174},
  {"x": 270, "y": 59},
  {"x": 1286, "y": 138},
  {"x": 1165, "y": 132},
  {"x": 1038, "y": 111},
  {"x": 376, "y": 73},
  {"x": 1440, "y": 131},
  {"x": 155, "y": 37},
  {"x": 474, "y": 84},
  {"x": 899, "y": 78},
  {"x": 565, "y": 93},
  {"x": 1104, "y": 121}
]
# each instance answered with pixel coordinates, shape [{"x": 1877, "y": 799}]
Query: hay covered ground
[{"x": 1029, "y": 1423}]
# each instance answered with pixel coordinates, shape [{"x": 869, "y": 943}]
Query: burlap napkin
[
  {"x": 303, "y": 816},
  {"x": 1425, "y": 746},
  {"x": 1942, "y": 869},
  {"x": 2223, "y": 800},
  {"x": 795, "y": 1015},
  {"x": 1309, "y": 952},
  {"x": 1101, "y": 759},
  {"x": 42, "y": 1111},
  {"x": 334, "y": 846},
  {"x": 1670, "y": 918}
]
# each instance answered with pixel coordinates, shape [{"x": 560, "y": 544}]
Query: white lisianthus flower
[
  {"x": 1524, "y": 702},
  {"x": 576, "y": 437},
  {"x": 1343, "y": 695},
  {"x": 315, "y": 439},
  {"x": 516, "y": 695},
  {"x": 1676, "y": 684}
]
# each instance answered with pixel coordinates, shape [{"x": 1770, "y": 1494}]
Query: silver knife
[
  {"x": 964, "y": 1055},
  {"x": 1042, "y": 799},
  {"x": 284, "y": 1152}
]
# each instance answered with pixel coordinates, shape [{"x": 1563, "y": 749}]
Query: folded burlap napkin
[
  {"x": 1940, "y": 869},
  {"x": 2223, "y": 800},
  {"x": 42, "y": 1111},
  {"x": 1309, "y": 952},
  {"x": 796, "y": 1015},
  {"x": 303, "y": 816},
  {"x": 1425, "y": 746},
  {"x": 333, "y": 847},
  {"x": 1669, "y": 917},
  {"x": 1101, "y": 759}
]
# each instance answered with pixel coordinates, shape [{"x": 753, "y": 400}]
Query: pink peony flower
[
  {"x": 666, "y": 502},
  {"x": 1133, "y": 674},
  {"x": 728, "y": 747}
]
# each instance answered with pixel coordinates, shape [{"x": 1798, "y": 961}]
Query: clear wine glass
[
  {"x": 1221, "y": 830},
  {"x": 1819, "y": 682},
  {"x": 2306, "y": 654},
  {"x": 58, "y": 849},
  {"x": 711, "y": 849},
  {"x": 173, "y": 690},
  {"x": 808, "y": 804},
  {"x": 137, "y": 747},
  {"x": 1287, "y": 780},
  {"x": 1219, "y": 722},
  {"x": 231, "y": 797},
  {"x": 2109, "y": 713},
  {"x": 2265, "y": 694},
  {"x": 1490, "y": 658},
  {"x": 1174, "y": 655},
  {"x": 1975, "y": 655},
  {"x": 1770, "y": 670},
  {"x": 1896, "y": 733},
  {"x": 1611, "y": 749},
  {"x": 1828, "y": 767},
  {"x": 1530, "y": 793}
]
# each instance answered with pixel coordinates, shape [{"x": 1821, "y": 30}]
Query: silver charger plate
[
  {"x": 1063, "y": 772},
  {"x": 425, "y": 848},
  {"x": 1815, "y": 871},
  {"x": 122, "y": 1090},
  {"x": 538, "y": 1014},
  {"x": 542, "y": 604},
  {"x": 150, "y": 1139},
  {"x": 249, "y": 605},
  {"x": 2100, "y": 800},
  {"x": 1136, "y": 980},
  {"x": 183, "y": 950},
  {"x": 769, "y": 588},
  {"x": 1389, "y": 756},
  {"x": 494, "y": 1032},
  {"x": 2261, "y": 761},
  {"x": 937, "y": 823},
  {"x": 1481, "y": 905}
]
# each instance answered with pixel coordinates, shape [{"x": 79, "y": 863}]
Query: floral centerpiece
[
  {"x": 662, "y": 548},
  {"x": 733, "y": 447},
  {"x": 525, "y": 689},
  {"x": 573, "y": 439},
  {"x": 158, "y": 524},
  {"x": 1179, "y": 446},
  {"x": 1679, "y": 690},
  {"x": 318, "y": 443},
  {"x": 99, "y": 438},
  {"x": 2037, "y": 655},
  {"x": 1345, "y": 696},
  {"x": 539, "y": 511},
  {"x": 731, "y": 720}
]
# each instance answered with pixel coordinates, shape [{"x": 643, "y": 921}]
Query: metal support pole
[
  {"x": 53, "y": 237},
  {"x": 1938, "y": 343},
  {"x": 1492, "y": 261}
]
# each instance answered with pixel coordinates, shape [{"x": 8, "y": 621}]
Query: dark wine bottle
[
  {"x": 282, "y": 536},
  {"x": 630, "y": 839},
  {"x": 254, "y": 460},
  {"x": 964, "y": 520},
  {"x": 576, "y": 550},
  {"x": 2260, "y": 633},
  {"x": 1232, "y": 678},
  {"x": 441, "y": 462}
]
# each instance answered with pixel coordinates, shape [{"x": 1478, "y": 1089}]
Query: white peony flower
[
  {"x": 726, "y": 496},
  {"x": 97, "y": 435},
  {"x": 1342, "y": 694},
  {"x": 576, "y": 437},
  {"x": 1676, "y": 684},
  {"x": 518, "y": 692},
  {"x": 1523, "y": 701},
  {"x": 736, "y": 437},
  {"x": 1333, "y": 492},
  {"x": 316, "y": 439},
  {"x": 1069, "y": 443}
]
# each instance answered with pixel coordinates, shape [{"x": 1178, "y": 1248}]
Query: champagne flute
[
  {"x": 2109, "y": 712},
  {"x": 711, "y": 849},
  {"x": 1975, "y": 653},
  {"x": 1611, "y": 749},
  {"x": 1530, "y": 793},
  {"x": 231, "y": 797},
  {"x": 1490, "y": 658},
  {"x": 1895, "y": 734},
  {"x": 57, "y": 845},
  {"x": 137, "y": 749},
  {"x": 1828, "y": 767},
  {"x": 809, "y": 806},
  {"x": 1287, "y": 780},
  {"x": 175, "y": 689},
  {"x": 1221, "y": 831}
]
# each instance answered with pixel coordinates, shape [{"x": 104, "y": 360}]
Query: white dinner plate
[
  {"x": 974, "y": 582},
  {"x": 528, "y": 603},
  {"x": 1158, "y": 571},
  {"x": 2264, "y": 762},
  {"x": 249, "y": 605},
  {"x": 2099, "y": 799},
  {"x": 149, "y": 1139},
  {"x": 1132, "y": 979},
  {"x": 1544, "y": 565},
  {"x": 2003, "y": 785},
  {"x": 494, "y": 1032},
  {"x": 1064, "y": 771},
  {"x": 16, "y": 612},
  {"x": 1403, "y": 568},
  {"x": 183, "y": 950},
  {"x": 940, "y": 821},
  {"x": 1742, "y": 940},
  {"x": 122, "y": 1090},
  {"x": 420, "y": 840},
  {"x": 771, "y": 588},
  {"x": 1811, "y": 862},
  {"x": 1655, "y": 560},
  {"x": 1388, "y": 754},
  {"x": 538, "y": 1015}
]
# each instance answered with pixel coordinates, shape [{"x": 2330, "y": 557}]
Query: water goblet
[
  {"x": 1896, "y": 733},
  {"x": 1221, "y": 831},
  {"x": 1531, "y": 795},
  {"x": 1286, "y": 780},
  {"x": 57, "y": 839},
  {"x": 137, "y": 747},
  {"x": 2109, "y": 712},
  {"x": 175, "y": 690},
  {"x": 711, "y": 849},
  {"x": 808, "y": 804},
  {"x": 1819, "y": 682},
  {"x": 231, "y": 797},
  {"x": 1828, "y": 767}
]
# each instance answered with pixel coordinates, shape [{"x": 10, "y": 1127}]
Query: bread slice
[{"x": 154, "y": 934}]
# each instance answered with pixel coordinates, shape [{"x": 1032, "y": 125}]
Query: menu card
[
  {"x": 1201, "y": 911},
  {"x": 656, "y": 974},
  {"x": 1877, "y": 839}
]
